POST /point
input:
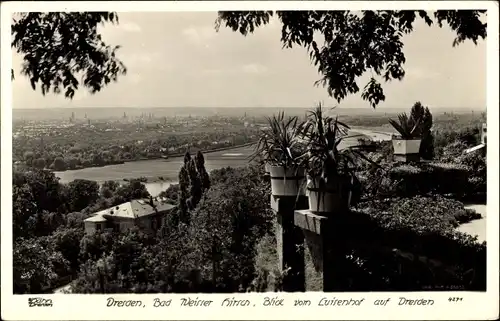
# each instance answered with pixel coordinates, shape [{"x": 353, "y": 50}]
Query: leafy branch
[
  {"x": 343, "y": 45},
  {"x": 59, "y": 47}
]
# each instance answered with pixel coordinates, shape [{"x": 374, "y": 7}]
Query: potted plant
[
  {"x": 408, "y": 141},
  {"x": 331, "y": 169},
  {"x": 282, "y": 150},
  {"x": 267, "y": 166}
]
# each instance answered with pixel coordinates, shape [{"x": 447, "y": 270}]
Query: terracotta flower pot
[
  {"x": 333, "y": 198},
  {"x": 406, "y": 146},
  {"x": 289, "y": 182}
]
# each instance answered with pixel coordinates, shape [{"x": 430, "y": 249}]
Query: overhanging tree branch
[
  {"x": 343, "y": 45},
  {"x": 58, "y": 47}
]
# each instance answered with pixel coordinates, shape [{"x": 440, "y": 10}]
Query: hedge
[
  {"x": 402, "y": 244},
  {"x": 407, "y": 180},
  {"x": 410, "y": 245}
]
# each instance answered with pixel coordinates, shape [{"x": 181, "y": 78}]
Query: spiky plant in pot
[
  {"x": 282, "y": 149},
  {"x": 407, "y": 127},
  {"x": 408, "y": 140},
  {"x": 330, "y": 170}
]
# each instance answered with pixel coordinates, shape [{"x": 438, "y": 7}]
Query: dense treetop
[{"x": 343, "y": 45}]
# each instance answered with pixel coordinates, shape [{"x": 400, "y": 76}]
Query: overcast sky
[{"x": 178, "y": 59}]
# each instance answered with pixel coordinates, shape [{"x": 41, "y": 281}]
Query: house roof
[
  {"x": 96, "y": 218},
  {"x": 132, "y": 210}
]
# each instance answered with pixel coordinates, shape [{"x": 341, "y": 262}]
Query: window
[{"x": 98, "y": 227}]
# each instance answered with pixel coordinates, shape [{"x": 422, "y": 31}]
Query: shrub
[
  {"x": 422, "y": 213},
  {"x": 448, "y": 178},
  {"x": 171, "y": 193},
  {"x": 268, "y": 276},
  {"x": 452, "y": 151},
  {"x": 406, "y": 180},
  {"x": 475, "y": 162},
  {"x": 464, "y": 137},
  {"x": 39, "y": 163},
  {"x": 476, "y": 183},
  {"x": 59, "y": 164},
  {"x": 75, "y": 220},
  {"x": 411, "y": 245},
  {"x": 466, "y": 215}
]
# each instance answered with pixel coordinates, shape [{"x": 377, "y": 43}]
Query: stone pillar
[
  {"x": 326, "y": 247},
  {"x": 290, "y": 241}
]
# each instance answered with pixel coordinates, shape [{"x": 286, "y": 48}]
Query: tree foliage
[
  {"x": 195, "y": 189},
  {"x": 108, "y": 188},
  {"x": 67, "y": 241},
  {"x": 58, "y": 48},
  {"x": 423, "y": 114},
  {"x": 36, "y": 265},
  {"x": 194, "y": 181},
  {"x": 183, "y": 191},
  {"x": 171, "y": 194},
  {"x": 227, "y": 226},
  {"x": 133, "y": 190},
  {"x": 44, "y": 186},
  {"x": 81, "y": 193},
  {"x": 59, "y": 164},
  {"x": 343, "y": 45},
  {"x": 24, "y": 209},
  {"x": 214, "y": 253},
  {"x": 202, "y": 172},
  {"x": 132, "y": 262},
  {"x": 39, "y": 163}
]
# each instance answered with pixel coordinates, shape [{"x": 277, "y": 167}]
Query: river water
[{"x": 168, "y": 169}]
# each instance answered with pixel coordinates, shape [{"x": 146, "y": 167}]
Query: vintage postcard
[{"x": 249, "y": 160}]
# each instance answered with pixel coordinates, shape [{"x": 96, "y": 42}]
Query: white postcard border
[{"x": 93, "y": 307}]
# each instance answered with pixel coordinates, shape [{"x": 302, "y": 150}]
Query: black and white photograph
[{"x": 232, "y": 151}]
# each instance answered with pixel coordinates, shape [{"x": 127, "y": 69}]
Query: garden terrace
[{"x": 406, "y": 244}]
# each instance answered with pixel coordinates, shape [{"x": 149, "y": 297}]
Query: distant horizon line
[{"x": 259, "y": 107}]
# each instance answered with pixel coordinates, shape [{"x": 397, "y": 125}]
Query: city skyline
[{"x": 204, "y": 68}]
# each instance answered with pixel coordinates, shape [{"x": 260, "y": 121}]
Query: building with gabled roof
[{"x": 136, "y": 213}]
